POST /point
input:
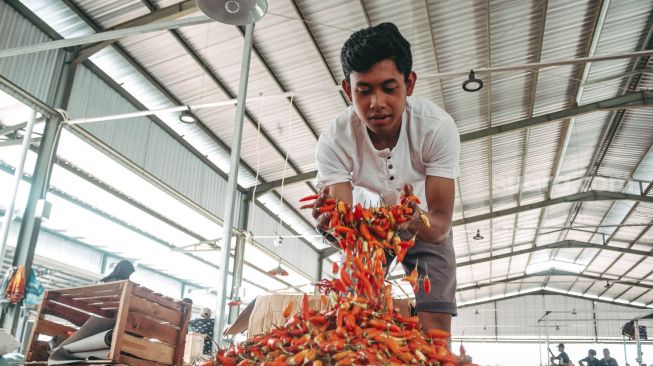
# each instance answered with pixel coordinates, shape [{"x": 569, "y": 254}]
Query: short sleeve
[
  {"x": 443, "y": 153},
  {"x": 331, "y": 163}
]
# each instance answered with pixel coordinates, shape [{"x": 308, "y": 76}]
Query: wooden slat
[
  {"x": 49, "y": 328},
  {"x": 141, "y": 347},
  {"x": 38, "y": 351},
  {"x": 133, "y": 361},
  {"x": 149, "y": 295},
  {"x": 151, "y": 328},
  {"x": 121, "y": 319},
  {"x": 91, "y": 289},
  {"x": 74, "y": 316},
  {"x": 155, "y": 310},
  {"x": 34, "y": 335},
  {"x": 181, "y": 340},
  {"x": 80, "y": 305},
  {"x": 98, "y": 298}
]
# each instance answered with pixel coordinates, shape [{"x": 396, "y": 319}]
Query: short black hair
[
  {"x": 366, "y": 47},
  {"x": 592, "y": 352}
]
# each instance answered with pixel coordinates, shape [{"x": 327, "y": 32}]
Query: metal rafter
[
  {"x": 593, "y": 195},
  {"x": 549, "y": 273},
  {"x": 535, "y": 76},
  {"x": 612, "y": 128},
  {"x": 171, "y": 97},
  {"x": 565, "y": 244},
  {"x": 632, "y": 82},
  {"x": 576, "y": 197},
  {"x": 489, "y": 124},
  {"x": 435, "y": 53},
  {"x": 640, "y": 99},
  {"x": 76, "y": 201},
  {"x": 317, "y": 48},
  {"x": 542, "y": 292},
  {"x": 568, "y": 125},
  {"x": 632, "y": 210},
  {"x": 171, "y": 12}
]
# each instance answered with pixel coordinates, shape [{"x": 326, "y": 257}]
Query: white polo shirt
[{"x": 428, "y": 145}]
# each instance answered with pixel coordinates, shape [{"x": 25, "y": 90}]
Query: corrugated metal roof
[{"x": 297, "y": 48}]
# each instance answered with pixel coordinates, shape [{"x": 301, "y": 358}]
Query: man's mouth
[{"x": 380, "y": 118}]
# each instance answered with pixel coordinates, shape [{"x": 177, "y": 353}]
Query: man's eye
[
  {"x": 363, "y": 92},
  {"x": 389, "y": 90}
]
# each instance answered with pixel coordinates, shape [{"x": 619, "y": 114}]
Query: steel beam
[
  {"x": 548, "y": 273},
  {"x": 643, "y": 98},
  {"x": 299, "y": 178},
  {"x": 26, "y": 98},
  {"x": 547, "y": 292},
  {"x": 565, "y": 244},
  {"x": 576, "y": 197},
  {"x": 31, "y": 223},
  {"x": 172, "y": 12}
]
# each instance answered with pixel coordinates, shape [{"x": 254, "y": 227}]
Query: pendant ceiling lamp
[{"x": 234, "y": 12}]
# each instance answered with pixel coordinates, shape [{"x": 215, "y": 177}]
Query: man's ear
[
  {"x": 347, "y": 88},
  {"x": 410, "y": 83}
]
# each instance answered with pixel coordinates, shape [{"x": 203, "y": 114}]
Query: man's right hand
[{"x": 321, "y": 218}]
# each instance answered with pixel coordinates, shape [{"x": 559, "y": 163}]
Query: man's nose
[{"x": 378, "y": 100}]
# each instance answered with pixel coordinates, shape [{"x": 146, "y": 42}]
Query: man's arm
[{"x": 440, "y": 196}]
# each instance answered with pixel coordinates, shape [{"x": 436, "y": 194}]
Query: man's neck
[{"x": 386, "y": 141}]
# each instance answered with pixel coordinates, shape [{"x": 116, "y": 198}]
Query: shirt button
[
  {"x": 390, "y": 166},
  {"x": 392, "y": 177},
  {"x": 388, "y": 157}
]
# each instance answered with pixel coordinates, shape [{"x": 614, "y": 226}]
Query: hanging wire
[{"x": 285, "y": 164}]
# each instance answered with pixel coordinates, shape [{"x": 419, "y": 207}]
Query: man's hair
[
  {"x": 366, "y": 47},
  {"x": 592, "y": 352}
]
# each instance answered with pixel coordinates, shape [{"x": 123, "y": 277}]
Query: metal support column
[
  {"x": 31, "y": 222},
  {"x": 239, "y": 259},
  {"x": 225, "y": 248}
]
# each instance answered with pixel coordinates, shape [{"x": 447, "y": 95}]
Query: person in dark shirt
[
  {"x": 121, "y": 272},
  {"x": 590, "y": 360},
  {"x": 607, "y": 360},
  {"x": 562, "y": 357},
  {"x": 204, "y": 325}
]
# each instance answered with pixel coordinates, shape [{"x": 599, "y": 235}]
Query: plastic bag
[{"x": 7, "y": 343}]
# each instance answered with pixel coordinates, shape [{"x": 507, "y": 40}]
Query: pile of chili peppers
[{"x": 360, "y": 325}]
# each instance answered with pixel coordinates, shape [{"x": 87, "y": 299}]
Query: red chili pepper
[
  {"x": 327, "y": 208},
  {"x": 334, "y": 268},
  {"x": 305, "y": 307},
  {"x": 309, "y": 198},
  {"x": 427, "y": 285},
  {"x": 365, "y": 233},
  {"x": 344, "y": 229},
  {"x": 338, "y": 285},
  {"x": 307, "y": 206},
  {"x": 344, "y": 277},
  {"x": 287, "y": 310}
]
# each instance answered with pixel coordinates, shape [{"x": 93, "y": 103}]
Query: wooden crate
[
  {"x": 150, "y": 328},
  {"x": 194, "y": 347}
]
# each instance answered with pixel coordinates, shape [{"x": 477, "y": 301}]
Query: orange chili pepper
[{"x": 287, "y": 310}]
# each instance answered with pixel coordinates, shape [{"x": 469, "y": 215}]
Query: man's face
[
  {"x": 590, "y": 356},
  {"x": 606, "y": 353},
  {"x": 561, "y": 349},
  {"x": 379, "y": 96}
]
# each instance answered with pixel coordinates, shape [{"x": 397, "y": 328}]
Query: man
[
  {"x": 386, "y": 145},
  {"x": 607, "y": 360},
  {"x": 204, "y": 325},
  {"x": 590, "y": 360},
  {"x": 562, "y": 357}
]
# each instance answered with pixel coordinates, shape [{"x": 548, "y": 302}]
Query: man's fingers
[
  {"x": 322, "y": 220},
  {"x": 407, "y": 190}
]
